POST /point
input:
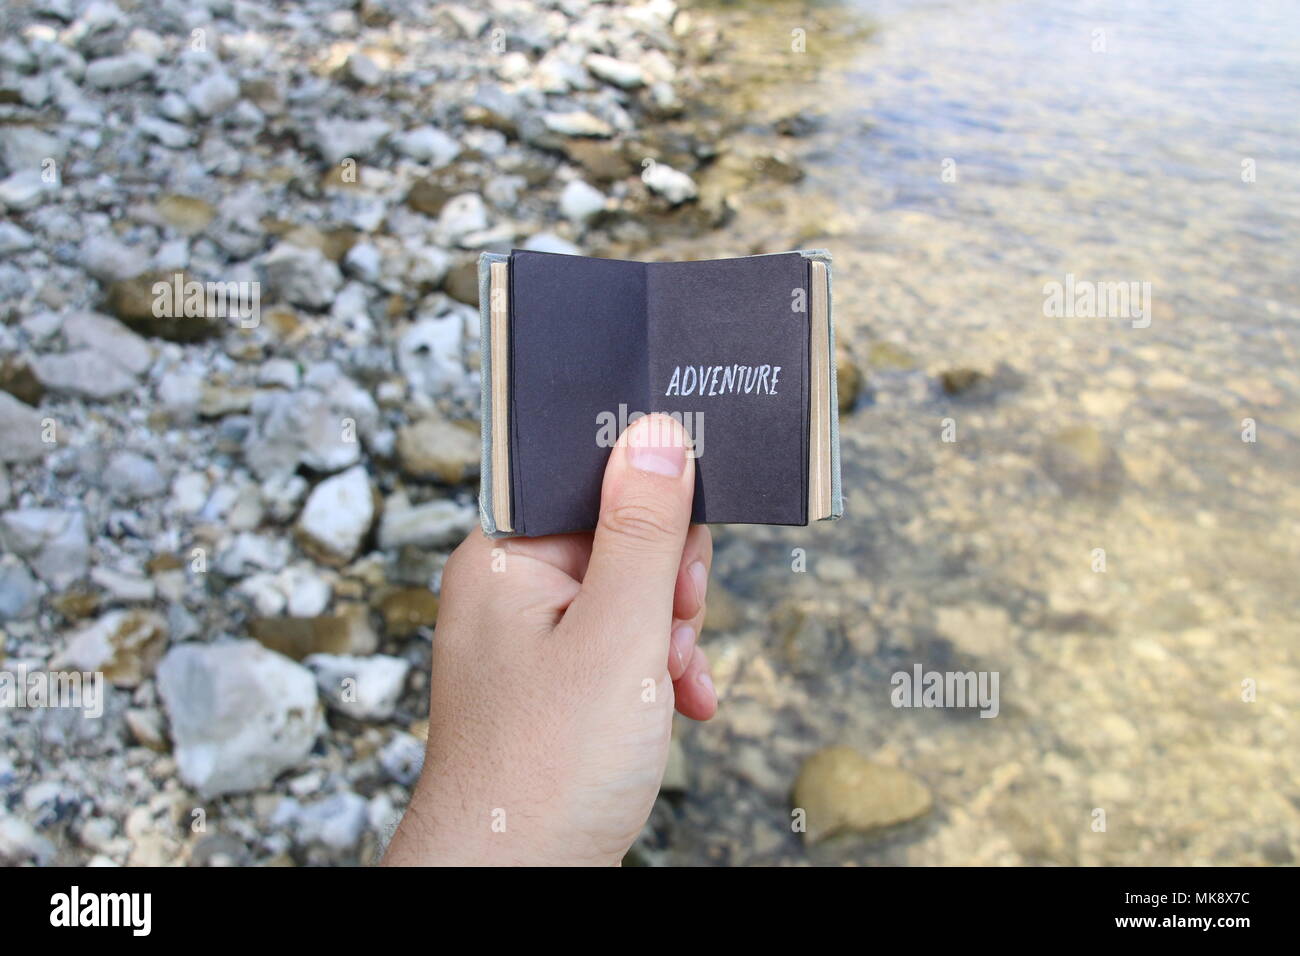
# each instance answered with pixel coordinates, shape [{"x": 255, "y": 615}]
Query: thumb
[{"x": 645, "y": 512}]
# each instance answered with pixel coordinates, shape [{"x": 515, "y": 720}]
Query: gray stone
[
  {"x": 212, "y": 95},
  {"x": 428, "y": 145},
  {"x": 55, "y": 543},
  {"x": 83, "y": 372},
  {"x": 580, "y": 201},
  {"x": 131, "y": 477},
  {"x": 114, "y": 72},
  {"x": 19, "y": 593},
  {"x": 431, "y": 525},
  {"x": 403, "y": 758},
  {"x": 302, "y": 276},
  {"x": 20, "y": 431},
  {"x": 109, "y": 338},
  {"x": 365, "y": 688},
  {"x": 240, "y": 714},
  {"x": 673, "y": 185},
  {"x": 338, "y": 513},
  {"x": 335, "y": 823}
]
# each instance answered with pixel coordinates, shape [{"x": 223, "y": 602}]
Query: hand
[{"x": 557, "y": 663}]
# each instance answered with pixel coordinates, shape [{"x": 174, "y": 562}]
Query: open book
[{"x": 740, "y": 351}]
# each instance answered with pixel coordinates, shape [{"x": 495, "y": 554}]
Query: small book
[{"x": 740, "y": 351}]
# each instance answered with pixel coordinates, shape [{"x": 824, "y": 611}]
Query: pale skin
[{"x": 557, "y": 665}]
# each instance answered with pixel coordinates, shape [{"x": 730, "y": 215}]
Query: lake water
[{"x": 1108, "y": 518}]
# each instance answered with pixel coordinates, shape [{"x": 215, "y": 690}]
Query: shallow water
[{"x": 1119, "y": 156}]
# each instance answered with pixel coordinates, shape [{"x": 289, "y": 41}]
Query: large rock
[
  {"x": 109, "y": 338},
  {"x": 430, "y": 525},
  {"x": 20, "y": 431},
  {"x": 124, "y": 645},
  {"x": 54, "y": 543},
  {"x": 338, "y": 513},
  {"x": 365, "y": 688},
  {"x": 435, "y": 448},
  {"x": 131, "y": 476},
  {"x": 840, "y": 790},
  {"x": 83, "y": 372},
  {"x": 240, "y": 715},
  {"x": 302, "y": 275},
  {"x": 20, "y": 595}
]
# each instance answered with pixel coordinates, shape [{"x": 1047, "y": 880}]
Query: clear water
[{"x": 1121, "y": 689}]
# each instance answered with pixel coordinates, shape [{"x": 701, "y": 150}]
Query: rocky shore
[{"x": 238, "y": 512}]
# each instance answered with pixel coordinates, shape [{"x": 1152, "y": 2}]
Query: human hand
[{"x": 557, "y": 663}]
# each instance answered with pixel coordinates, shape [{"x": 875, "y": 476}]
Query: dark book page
[
  {"x": 577, "y": 352},
  {"x": 728, "y": 343}
]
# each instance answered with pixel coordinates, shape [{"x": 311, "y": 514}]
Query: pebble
[
  {"x": 674, "y": 186},
  {"x": 131, "y": 477},
  {"x": 240, "y": 714},
  {"x": 21, "y": 431},
  {"x": 20, "y": 595},
  {"x": 125, "y": 645},
  {"x": 432, "y": 525},
  {"x": 302, "y": 275},
  {"x": 213, "y": 95},
  {"x": 581, "y": 201},
  {"x": 54, "y": 543},
  {"x": 840, "y": 790},
  {"x": 114, "y": 72},
  {"x": 338, "y": 513},
  {"x": 365, "y": 688},
  {"x": 84, "y": 372},
  {"x": 438, "y": 449}
]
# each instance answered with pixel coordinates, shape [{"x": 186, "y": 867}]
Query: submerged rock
[{"x": 840, "y": 790}]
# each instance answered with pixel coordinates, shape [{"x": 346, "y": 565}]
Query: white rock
[
  {"x": 302, "y": 276},
  {"x": 338, "y": 513},
  {"x": 25, "y": 190},
  {"x": 128, "y": 588},
  {"x": 109, "y": 338},
  {"x": 550, "y": 242},
  {"x": 364, "y": 70},
  {"x": 366, "y": 688},
  {"x": 578, "y": 123},
  {"x": 280, "y": 372},
  {"x": 338, "y": 140},
  {"x": 430, "y": 525},
  {"x": 403, "y": 758},
  {"x": 19, "y": 593},
  {"x": 21, "y": 431},
  {"x": 171, "y": 135},
  {"x": 363, "y": 260},
  {"x": 429, "y": 355},
  {"x": 83, "y": 372},
  {"x": 674, "y": 186},
  {"x": 55, "y": 543},
  {"x": 113, "y": 72},
  {"x": 131, "y": 477},
  {"x": 107, "y": 259},
  {"x": 460, "y": 216},
  {"x": 189, "y": 492},
  {"x": 336, "y": 822},
  {"x": 124, "y": 645},
  {"x": 20, "y": 843},
  {"x": 240, "y": 714},
  {"x": 247, "y": 550},
  {"x": 619, "y": 72},
  {"x": 580, "y": 201},
  {"x": 427, "y": 144},
  {"x": 302, "y": 427},
  {"x": 14, "y": 239},
  {"x": 214, "y": 94}
]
